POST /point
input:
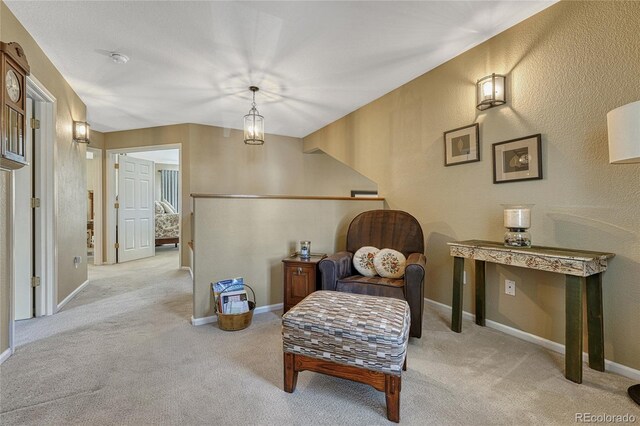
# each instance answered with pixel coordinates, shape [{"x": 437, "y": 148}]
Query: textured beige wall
[
  {"x": 249, "y": 238},
  {"x": 93, "y": 178},
  {"x": 324, "y": 175},
  {"x": 279, "y": 167},
  {"x": 70, "y": 167},
  {"x": 5, "y": 271},
  {"x": 215, "y": 160},
  {"x": 567, "y": 67},
  {"x": 97, "y": 139}
]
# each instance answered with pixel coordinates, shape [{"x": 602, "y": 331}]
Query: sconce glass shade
[
  {"x": 623, "y": 125},
  {"x": 490, "y": 91},
  {"x": 253, "y": 123},
  {"x": 81, "y": 131}
]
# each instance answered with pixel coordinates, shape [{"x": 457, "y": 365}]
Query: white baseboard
[
  {"x": 204, "y": 320},
  {"x": 611, "y": 366},
  {"x": 258, "y": 310},
  {"x": 187, "y": 268},
  {"x": 4, "y": 355},
  {"x": 268, "y": 308},
  {"x": 71, "y": 296}
]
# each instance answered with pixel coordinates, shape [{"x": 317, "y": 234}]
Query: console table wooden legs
[
  {"x": 573, "y": 313},
  {"x": 595, "y": 322},
  {"x": 458, "y": 276}
]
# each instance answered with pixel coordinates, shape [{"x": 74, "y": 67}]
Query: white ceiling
[{"x": 192, "y": 62}]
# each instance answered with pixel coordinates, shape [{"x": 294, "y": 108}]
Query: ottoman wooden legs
[
  {"x": 387, "y": 383},
  {"x": 290, "y": 373},
  {"x": 392, "y": 395}
]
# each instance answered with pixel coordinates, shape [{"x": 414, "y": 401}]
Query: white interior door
[
  {"x": 136, "y": 214},
  {"x": 22, "y": 229}
]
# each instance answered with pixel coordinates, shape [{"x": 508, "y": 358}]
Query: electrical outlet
[
  {"x": 464, "y": 277},
  {"x": 510, "y": 287}
]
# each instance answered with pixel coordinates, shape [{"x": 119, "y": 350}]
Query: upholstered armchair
[{"x": 393, "y": 229}]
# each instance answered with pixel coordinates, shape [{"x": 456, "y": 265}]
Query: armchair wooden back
[{"x": 393, "y": 229}]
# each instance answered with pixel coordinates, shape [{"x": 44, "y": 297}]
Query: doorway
[
  {"x": 126, "y": 213},
  {"x": 94, "y": 206},
  {"x": 33, "y": 199}
]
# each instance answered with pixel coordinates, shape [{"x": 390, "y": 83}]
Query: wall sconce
[
  {"x": 81, "y": 131},
  {"x": 490, "y": 91}
]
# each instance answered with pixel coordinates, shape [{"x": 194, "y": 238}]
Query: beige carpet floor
[{"x": 123, "y": 352}]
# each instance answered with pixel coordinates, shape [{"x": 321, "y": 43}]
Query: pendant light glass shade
[{"x": 253, "y": 123}]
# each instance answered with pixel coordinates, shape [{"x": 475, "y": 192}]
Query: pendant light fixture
[{"x": 253, "y": 123}]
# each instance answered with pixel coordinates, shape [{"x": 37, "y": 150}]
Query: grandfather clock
[{"x": 14, "y": 69}]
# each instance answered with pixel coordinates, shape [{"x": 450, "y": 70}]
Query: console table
[{"x": 578, "y": 266}]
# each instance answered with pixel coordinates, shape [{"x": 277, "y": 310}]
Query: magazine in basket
[
  {"x": 234, "y": 302},
  {"x": 230, "y": 297}
]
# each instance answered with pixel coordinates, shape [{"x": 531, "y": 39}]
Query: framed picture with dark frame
[
  {"x": 517, "y": 159},
  {"x": 462, "y": 145}
]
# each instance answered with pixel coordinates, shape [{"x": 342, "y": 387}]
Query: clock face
[{"x": 13, "y": 86}]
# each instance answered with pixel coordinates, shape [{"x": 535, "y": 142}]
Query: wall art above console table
[
  {"x": 517, "y": 159},
  {"x": 578, "y": 266}
]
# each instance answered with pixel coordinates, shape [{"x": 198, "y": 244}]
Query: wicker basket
[{"x": 235, "y": 322}]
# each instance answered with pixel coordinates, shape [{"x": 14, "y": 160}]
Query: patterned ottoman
[{"x": 352, "y": 336}]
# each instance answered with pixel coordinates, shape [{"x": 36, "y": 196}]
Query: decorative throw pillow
[
  {"x": 168, "y": 208},
  {"x": 390, "y": 263},
  {"x": 363, "y": 260},
  {"x": 159, "y": 208}
]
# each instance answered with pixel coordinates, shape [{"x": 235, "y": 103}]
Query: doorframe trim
[
  {"x": 48, "y": 254},
  {"x": 12, "y": 267},
  {"x": 110, "y": 211},
  {"x": 97, "y": 208}
]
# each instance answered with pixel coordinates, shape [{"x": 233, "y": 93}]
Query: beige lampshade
[{"x": 623, "y": 125}]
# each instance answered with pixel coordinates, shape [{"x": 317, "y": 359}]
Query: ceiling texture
[{"x": 192, "y": 62}]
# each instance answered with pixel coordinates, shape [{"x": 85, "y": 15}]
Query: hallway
[{"x": 116, "y": 290}]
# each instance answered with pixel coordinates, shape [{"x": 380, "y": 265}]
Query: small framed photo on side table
[
  {"x": 517, "y": 159},
  {"x": 462, "y": 145}
]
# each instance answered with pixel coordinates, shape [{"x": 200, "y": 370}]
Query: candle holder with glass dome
[{"x": 517, "y": 220}]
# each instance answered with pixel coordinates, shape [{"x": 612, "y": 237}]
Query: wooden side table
[
  {"x": 581, "y": 269},
  {"x": 301, "y": 278}
]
